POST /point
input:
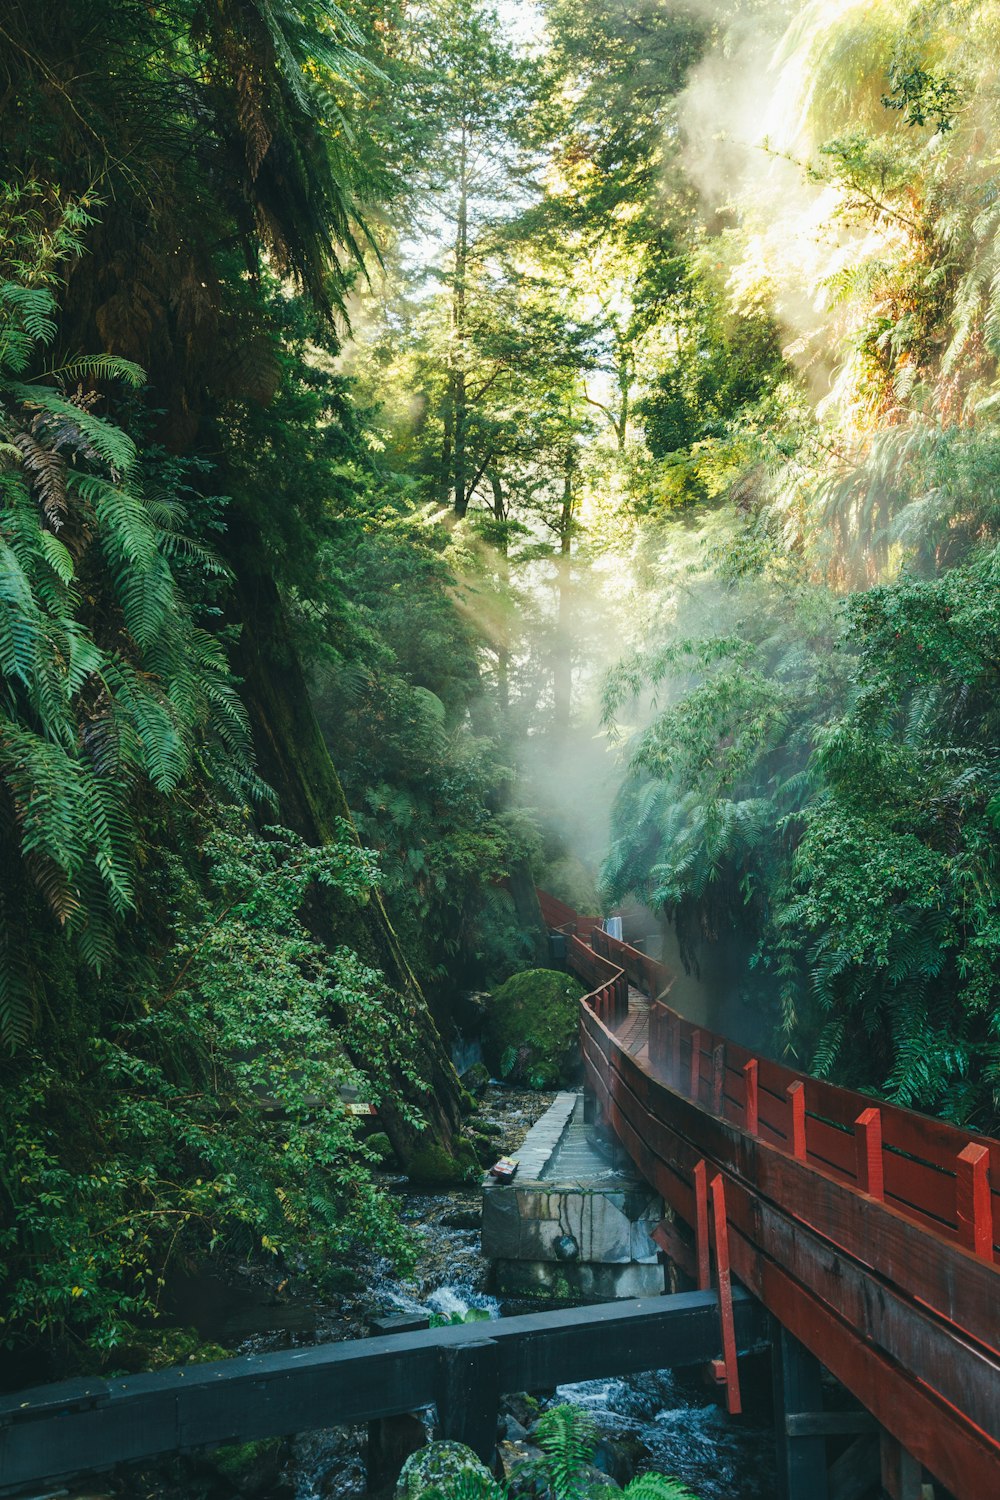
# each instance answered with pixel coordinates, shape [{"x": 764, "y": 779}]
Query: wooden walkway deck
[{"x": 869, "y": 1232}]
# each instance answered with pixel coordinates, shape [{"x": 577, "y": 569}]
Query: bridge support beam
[
  {"x": 795, "y": 1373},
  {"x": 468, "y": 1397},
  {"x": 902, "y": 1476}
]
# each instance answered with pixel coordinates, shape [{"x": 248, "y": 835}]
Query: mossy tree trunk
[{"x": 294, "y": 760}]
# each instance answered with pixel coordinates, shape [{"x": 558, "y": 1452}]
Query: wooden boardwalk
[{"x": 870, "y": 1232}]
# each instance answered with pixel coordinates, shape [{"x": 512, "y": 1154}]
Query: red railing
[{"x": 869, "y": 1230}]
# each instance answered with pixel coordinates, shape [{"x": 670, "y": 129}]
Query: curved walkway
[{"x": 870, "y": 1232}]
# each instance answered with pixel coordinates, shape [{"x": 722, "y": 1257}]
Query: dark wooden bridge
[{"x": 868, "y": 1231}]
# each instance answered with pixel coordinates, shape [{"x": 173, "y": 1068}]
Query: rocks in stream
[{"x": 439, "y": 1465}]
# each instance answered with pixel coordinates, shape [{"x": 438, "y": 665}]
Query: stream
[
  {"x": 659, "y": 1420},
  {"x": 670, "y": 1422}
]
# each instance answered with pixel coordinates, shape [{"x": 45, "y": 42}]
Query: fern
[
  {"x": 657, "y": 1487},
  {"x": 567, "y": 1435},
  {"x": 88, "y": 720}
]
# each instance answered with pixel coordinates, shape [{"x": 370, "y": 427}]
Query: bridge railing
[
  {"x": 940, "y": 1176},
  {"x": 868, "y": 1230},
  {"x": 608, "y": 982},
  {"x": 652, "y": 978},
  {"x": 934, "y": 1173}
]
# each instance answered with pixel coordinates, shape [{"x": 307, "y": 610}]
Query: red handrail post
[
  {"x": 868, "y": 1152},
  {"x": 972, "y": 1200},
  {"x": 796, "y": 1094},
  {"x": 734, "y": 1404},
  {"x": 750, "y": 1116},
  {"x": 695, "y": 1079}
]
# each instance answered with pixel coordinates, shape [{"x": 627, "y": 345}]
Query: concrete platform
[{"x": 572, "y": 1225}]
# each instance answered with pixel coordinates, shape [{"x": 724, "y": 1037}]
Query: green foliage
[
  {"x": 108, "y": 680},
  {"x": 455, "y": 1319},
  {"x": 567, "y": 1435},
  {"x": 212, "y": 1102},
  {"x": 568, "y": 1438}
]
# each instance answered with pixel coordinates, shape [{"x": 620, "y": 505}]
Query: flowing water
[{"x": 659, "y": 1420}]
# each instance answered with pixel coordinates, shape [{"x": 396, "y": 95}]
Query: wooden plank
[
  {"x": 46, "y": 1438},
  {"x": 957, "y": 1453},
  {"x": 701, "y": 1240},
  {"x": 750, "y": 1069},
  {"x": 797, "y": 1131},
  {"x": 855, "y": 1473},
  {"x": 830, "y": 1423},
  {"x": 927, "y": 1347},
  {"x": 955, "y": 1444},
  {"x": 694, "y": 1079},
  {"x": 718, "y": 1076},
  {"x": 667, "y": 1238},
  {"x": 959, "y": 1286},
  {"x": 924, "y": 1191},
  {"x": 902, "y": 1478}
]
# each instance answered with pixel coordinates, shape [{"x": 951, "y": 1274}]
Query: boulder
[
  {"x": 532, "y": 1029},
  {"x": 439, "y": 1465}
]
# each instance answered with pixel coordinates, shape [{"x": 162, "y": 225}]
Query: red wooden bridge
[{"x": 869, "y": 1232}]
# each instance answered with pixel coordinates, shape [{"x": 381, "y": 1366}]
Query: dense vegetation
[{"x": 387, "y": 392}]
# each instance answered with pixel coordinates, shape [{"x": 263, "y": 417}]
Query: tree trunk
[
  {"x": 562, "y": 665},
  {"x": 444, "y": 469},
  {"x": 294, "y": 760},
  {"x": 503, "y": 569},
  {"x": 459, "y": 374}
]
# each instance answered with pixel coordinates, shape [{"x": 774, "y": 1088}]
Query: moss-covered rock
[
  {"x": 433, "y": 1166},
  {"x": 532, "y": 1029},
  {"x": 476, "y": 1078},
  {"x": 381, "y": 1147},
  {"x": 438, "y": 1466}
]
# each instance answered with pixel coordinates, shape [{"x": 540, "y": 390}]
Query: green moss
[
  {"x": 174, "y": 1346},
  {"x": 433, "y": 1166},
  {"x": 438, "y": 1466},
  {"x": 341, "y": 1279},
  {"x": 532, "y": 1029},
  {"x": 381, "y": 1147},
  {"x": 236, "y": 1460},
  {"x": 476, "y": 1078}
]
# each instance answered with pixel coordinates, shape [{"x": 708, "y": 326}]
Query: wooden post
[
  {"x": 719, "y": 1078},
  {"x": 657, "y": 1036},
  {"x": 750, "y": 1118},
  {"x": 902, "y": 1476},
  {"x": 868, "y": 1152},
  {"x": 701, "y": 1226},
  {"x": 675, "y": 1052},
  {"x": 391, "y": 1440},
  {"x": 795, "y": 1375},
  {"x": 720, "y": 1227},
  {"x": 695, "y": 1080},
  {"x": 796, "y": 1093},
  {"x": 468, "y": 1400},
  {"x": 972, "y": 1200}
]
